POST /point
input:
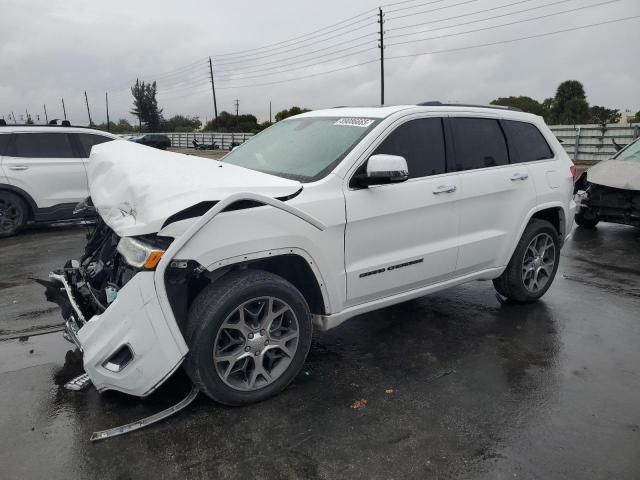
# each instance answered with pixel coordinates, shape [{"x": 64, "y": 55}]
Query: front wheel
[
  {"x": 533, "y": 265},
  {"x": 248, "y": 334}
]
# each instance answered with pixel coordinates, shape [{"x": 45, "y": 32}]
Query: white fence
[
  {"x": 592, "y": 143},
  {"x": 224, "y": 141}
]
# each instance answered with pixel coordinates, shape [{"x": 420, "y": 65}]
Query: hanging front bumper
[{"x": 129, "y": 347}]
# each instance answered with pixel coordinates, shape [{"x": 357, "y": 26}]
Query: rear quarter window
[
  {"x": 526, "y": 143},
  {"x": 88, "y": 140}
]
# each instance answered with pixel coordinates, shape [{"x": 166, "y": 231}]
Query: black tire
[
  {"x": 588, "y": 222},
  {"x": 511, "y": 283},
  {"x": 13, "y": 214},
  {"x": 210, "y": 310}
]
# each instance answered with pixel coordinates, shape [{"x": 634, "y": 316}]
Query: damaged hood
[
  {"x": 616, "y": 174},
  {"x": 136, "y": 188}
]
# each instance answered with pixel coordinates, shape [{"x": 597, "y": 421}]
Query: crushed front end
[
  {"x": 607, "y": 204},
  {"x": 113, "y": 314}
]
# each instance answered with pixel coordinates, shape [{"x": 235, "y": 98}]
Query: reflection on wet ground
[{"x": 457, "y": 385}]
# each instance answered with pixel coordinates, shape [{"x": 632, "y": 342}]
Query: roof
[{"x": 386, "y": 111}]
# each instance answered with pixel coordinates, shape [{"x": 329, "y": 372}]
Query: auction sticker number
[{"x": 354, "y": 122}]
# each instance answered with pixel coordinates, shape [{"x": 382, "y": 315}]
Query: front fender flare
[{"x": 181, "y": 241}]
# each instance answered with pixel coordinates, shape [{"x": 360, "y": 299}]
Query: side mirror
[{"x": 383, "y": 169}]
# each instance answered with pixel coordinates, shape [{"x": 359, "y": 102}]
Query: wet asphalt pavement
[{"x": 456, "y": 385}]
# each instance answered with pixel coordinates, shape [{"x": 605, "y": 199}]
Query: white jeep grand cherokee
[{"x": 226, "y": 266}]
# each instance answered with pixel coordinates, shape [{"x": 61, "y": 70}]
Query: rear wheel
[
  {"x": 533, "y": 265},
  {"x": 13, "y": 214},
  {"x": 248, "y": 334},
  {"x": 585, "y": 221}
]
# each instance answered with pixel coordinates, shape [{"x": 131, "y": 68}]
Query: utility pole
[
  {"x": 46, "y": 118},
  {"x": 237, "y": 102},
  {"x": 213, "y": 90},
  {"x": 86, "y": 99},
  {"x": 14, "y": 118},
  {"x": 269, "y": 112},
  {"x": 106, "y": 101},
  {"x": 381, "y": 46},
  {"x": 64, "y": 110}
]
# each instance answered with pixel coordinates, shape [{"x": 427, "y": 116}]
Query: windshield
[
  {"x": 304, "y": 149},
  {"x": 631, "y": 153}
]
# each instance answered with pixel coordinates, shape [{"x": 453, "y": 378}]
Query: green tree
[
  {"x": 145, "y": 105},
  {"x": 526, "y": 104},
  {"x": 227, "y": 122},
  {"x": 180, "y": 123},
  {"x": 264, "y": 125},
  {"x": 123, "y": 126},
  {"x": 570, "y": 104},
  {"x": 637, "y": 117},
  {"x": 281, "y": 115},
  {"x": 604, "y": 115}
]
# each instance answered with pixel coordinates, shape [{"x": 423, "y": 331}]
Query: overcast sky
[{"x": 54, "y": 49}]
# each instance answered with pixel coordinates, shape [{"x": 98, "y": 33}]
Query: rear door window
[
  {"x": 88, "y": 140},
  {"x": 41, "y": 145},
  {"x": 478, "y": 143},
  {"x": 421, "y": 143},
  {"x": 526, "y": 143}
]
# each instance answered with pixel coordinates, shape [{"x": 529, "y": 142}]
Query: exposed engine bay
[
  {"x": 85, "y": 287},
  {"x": 601, "y": 203}
]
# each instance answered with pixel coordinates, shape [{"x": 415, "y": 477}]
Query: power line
[
  {"x": 293, "y": 39},
  {"x": 433, "y": 9},
  {"x": 271, "y": 70},
  {"x": 415, "y": 6},
  {"x": 225, "y": 63},
  {"x": 398, "y": 3},
  {"x": 275, "y": 72},
  {"x": 513, "y": 40},
  {"x": 435, "y": 52},
  {"x": 179, "y": 69},
  {"x": 515, "y": 22},
  {"x": 299, "y": 78},
  {"x": 466, "y": 15}
]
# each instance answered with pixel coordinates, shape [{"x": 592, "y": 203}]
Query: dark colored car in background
[{"x": 154, "y": 140}]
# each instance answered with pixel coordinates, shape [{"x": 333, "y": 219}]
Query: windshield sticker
[{"x": 354, "y": 122}]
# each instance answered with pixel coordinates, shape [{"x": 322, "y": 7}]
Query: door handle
[
  {"x": 519, "y": 176},
  {"x": 18, "y": 167},
  {"x": 444, "y": 189}
]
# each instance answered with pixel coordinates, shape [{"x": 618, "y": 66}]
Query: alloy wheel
[
  {"x": 256, "y": 343},
  {"x": 539, "y": 262}
]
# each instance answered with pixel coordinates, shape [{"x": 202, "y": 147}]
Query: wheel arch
[
  {"x": 292, "y": 264},
  {"x": 553, "y": 212},
  {"x": 28, "y": 199}
]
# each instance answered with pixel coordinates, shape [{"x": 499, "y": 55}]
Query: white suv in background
[
  {"x": 43, "y": 172},
  {"x": 227, "y": 265}
]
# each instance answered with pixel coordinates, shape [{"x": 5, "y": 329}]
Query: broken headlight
[{"x": 139, "y": 254}]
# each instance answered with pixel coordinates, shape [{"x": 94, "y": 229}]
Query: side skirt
[{"x": 327, "y": 322}]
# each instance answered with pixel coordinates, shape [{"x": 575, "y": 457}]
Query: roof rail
[
  {"x": 435, "y": 103},
  {"x": 65, "y": 123}
]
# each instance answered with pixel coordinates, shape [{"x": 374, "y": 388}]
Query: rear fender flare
[{"x": 532, "y": 212}]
